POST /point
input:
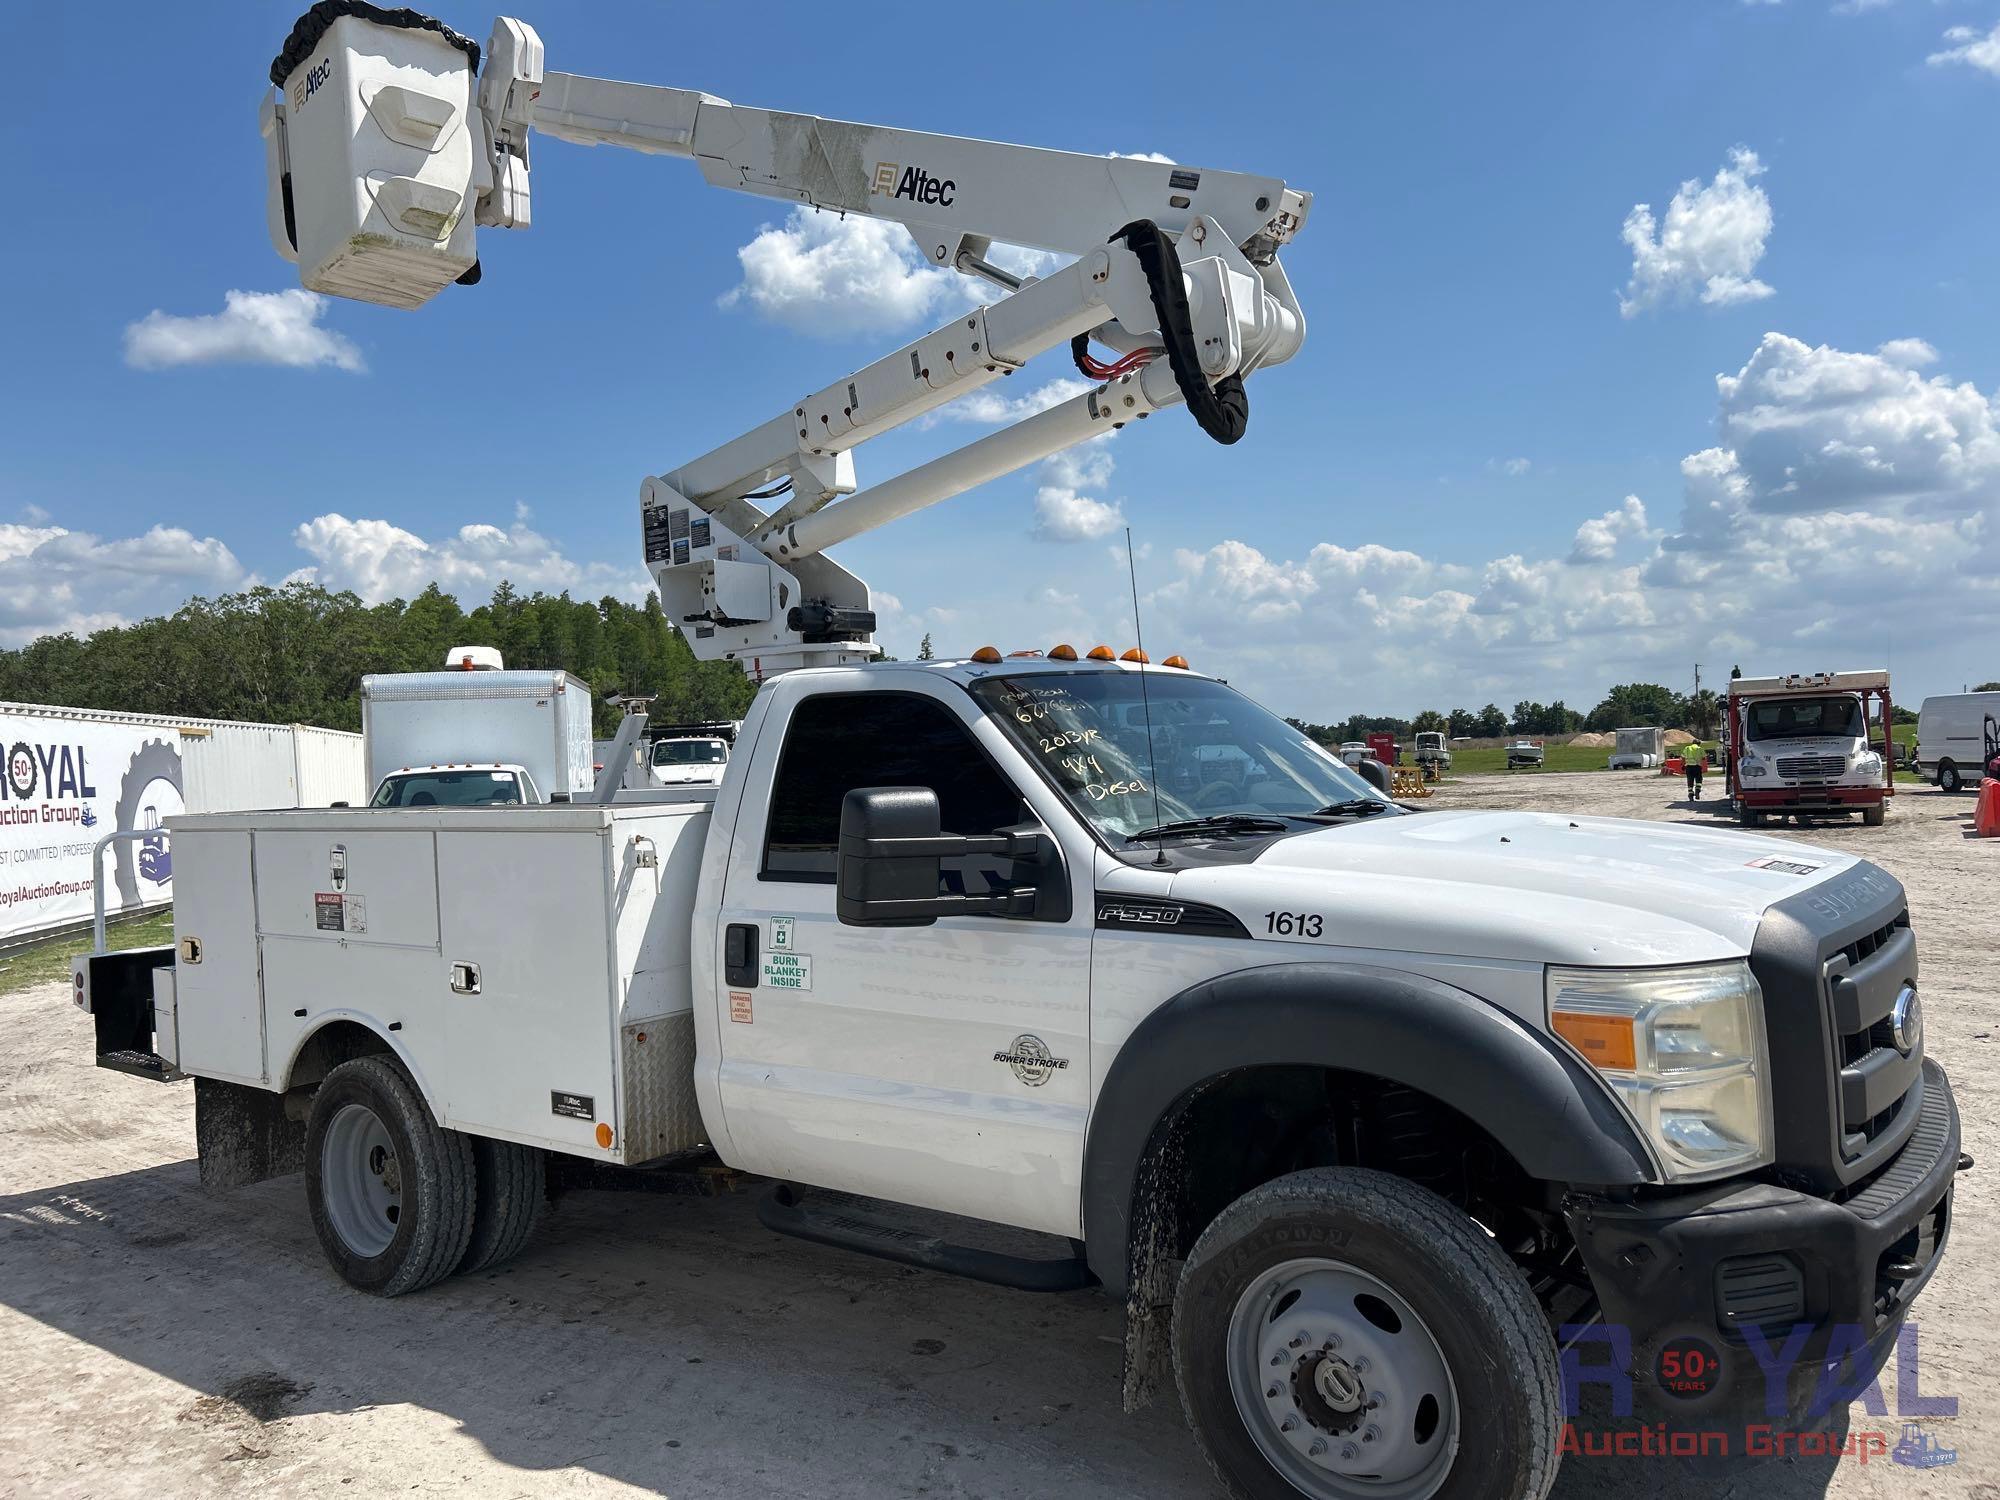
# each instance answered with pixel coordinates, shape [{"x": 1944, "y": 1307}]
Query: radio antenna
[{"x": 1145, "y": 697}]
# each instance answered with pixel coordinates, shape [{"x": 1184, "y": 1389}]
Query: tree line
[{"x": 297, "y": 654}]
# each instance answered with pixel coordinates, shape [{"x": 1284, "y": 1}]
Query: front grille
[
  {"x": 1812, "y": 765},
  {"x": 1831, "y": 961}
]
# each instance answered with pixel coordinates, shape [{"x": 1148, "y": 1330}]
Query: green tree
[
  {"x": 1430, "y": 721},
  {"x": 1491, "y": 723},
  {"x": 1634, "y": 703},
  {"x": 1988, "y": 687},
  {"x": 1704, "y": 712},
  {"x": 924, "y": 652}
]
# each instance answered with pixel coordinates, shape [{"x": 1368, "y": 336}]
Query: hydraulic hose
[{"x": 1222, "y": 409}]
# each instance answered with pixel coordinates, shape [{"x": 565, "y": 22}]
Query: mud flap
[{"x": 243, "y": 1135}]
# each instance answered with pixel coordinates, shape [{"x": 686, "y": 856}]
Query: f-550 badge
[
  {"x": 914, "y": 183},
  {"x": 1029, "y": 1058}
]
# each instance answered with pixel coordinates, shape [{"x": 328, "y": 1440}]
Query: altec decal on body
[{"x": 913, "y": 183}]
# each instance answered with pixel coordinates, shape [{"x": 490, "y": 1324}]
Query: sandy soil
[{"x": 155, "y": 1340}]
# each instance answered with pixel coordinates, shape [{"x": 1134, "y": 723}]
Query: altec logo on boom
[{"x": 914, "y": 183}]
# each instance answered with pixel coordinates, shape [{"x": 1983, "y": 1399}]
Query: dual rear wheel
[{"x": 398, "y": 1201}]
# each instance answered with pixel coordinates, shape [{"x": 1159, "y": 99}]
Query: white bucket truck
[{"x": 1351, "y": 1108}]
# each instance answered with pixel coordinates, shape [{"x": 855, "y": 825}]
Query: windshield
[
  {"x": 1802, "y": 718},
  {"x": 1217, "y": 752},
  {"x": 449, "y": 789},
  {"x": 689, "y": 753}
]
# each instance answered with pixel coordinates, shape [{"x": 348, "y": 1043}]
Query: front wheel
[
  {"x": 1948, "y": 778},
  {"x": 1341, "y": 1333},
  {"x": 1748, "y": 816},
  {"x": 1874, "y": 817}
]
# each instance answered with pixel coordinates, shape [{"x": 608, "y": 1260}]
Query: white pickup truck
[{"x": 1358, "y": 1112}]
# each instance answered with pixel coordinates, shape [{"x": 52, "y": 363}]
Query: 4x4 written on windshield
[{"x": 1213, "y": 751}]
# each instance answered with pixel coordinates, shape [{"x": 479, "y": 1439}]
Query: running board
[
  {"x": 140, "y": 1065},
  {"x": 781, "y": 1212}
]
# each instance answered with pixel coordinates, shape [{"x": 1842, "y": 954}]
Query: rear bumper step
[
  {"x": 141, "y": 1065},
  {"x": 781, "y": 1211}
]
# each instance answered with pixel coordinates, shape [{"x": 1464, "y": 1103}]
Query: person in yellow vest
[{"x": 1694, "y": 760}]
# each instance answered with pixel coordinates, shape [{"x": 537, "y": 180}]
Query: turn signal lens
[
  {"x": 1135, "y": 654},
  {"x": 1176, "y": 661},
  {"x": 1605, "y": 1041},
  {"x": 1102, "y": 653},
  {"x": 604, "y": 1136},
  {"x": 987, "y": 654},
  {"x": 1062, "y": 653}
]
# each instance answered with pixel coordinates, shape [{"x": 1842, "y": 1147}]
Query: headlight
[
  {"x": 1683, "y": 1050},
  {"x": 1868, "y": 763}
]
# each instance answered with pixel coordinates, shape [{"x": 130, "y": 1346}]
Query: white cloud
[
  {"x": 253, "y": 328},
  {"x": 379, "y": 560},
  {"x": 831, "y": 276},
  {"x": 1513, "y": 468},
  {"x": 1709, "y": 245},
  {"x": 1063, "y": 513},
  {"x": 1971, "y": 48},
  {"x": 53, "y": 579},
  {"x": 991, "y": 406},
  {"x": 1847, "y": 495},
  {"x": 1167, "y": 161}
]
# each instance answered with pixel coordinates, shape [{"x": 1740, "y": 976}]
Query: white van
[{"x": 1957, "y": 734}]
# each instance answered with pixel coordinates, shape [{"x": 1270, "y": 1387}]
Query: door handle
[
  {"x": 465, "y": 979},
  {"x": 739, "y": 955}
]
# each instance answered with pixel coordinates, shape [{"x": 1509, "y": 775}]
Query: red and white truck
[{"x": 1801, "y": 744}]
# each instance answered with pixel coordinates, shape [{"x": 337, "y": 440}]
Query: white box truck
[
  {"x": 1800, "y": 744},
  {"x": 476, "y": 737},
  {"x": 1958, "y": 736}
]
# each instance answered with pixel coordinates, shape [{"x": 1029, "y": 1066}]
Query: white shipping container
[
  {"x": 241, "y": 767},
  {"x": 331, "y": 766}
]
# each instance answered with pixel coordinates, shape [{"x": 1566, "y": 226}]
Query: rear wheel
[
  {"x": 512, "y": 1190},
  {"x": 1341, "y": 1333},
  {"x": 391, "y": 1192},
  {"x": 1948, "y": 778}
]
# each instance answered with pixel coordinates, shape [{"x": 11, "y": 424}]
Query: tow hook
[{"x": 1965, "y": 1161}]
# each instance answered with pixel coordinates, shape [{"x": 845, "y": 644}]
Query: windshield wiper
[
  {"x": 1359, "y": 807},
  {"x": 1217, "y": 823}
]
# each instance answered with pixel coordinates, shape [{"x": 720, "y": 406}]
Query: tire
[
  {"x": 1469, "y": 1401},
  {"x": 1748, "y": 816},
  {"x": 1948, "y": 778},
  {"x": 391, "y": 1192},
  {"x": 1874, "y": 817},
  {"x": 511, "y": 1189}
]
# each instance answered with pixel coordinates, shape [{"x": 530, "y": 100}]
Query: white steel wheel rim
[
  {"x": 361, "y": 1180},
  {"x": 1341, "y": 1385}
]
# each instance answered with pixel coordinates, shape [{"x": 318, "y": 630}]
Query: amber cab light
[
  {"x": 1103, "y": 653},
  {"x": 1135, "y": 654},
  {"x": 1176, "y": 661},
  {"x": 987, "y": 654},
  {"x": 1062, "y": 653}
]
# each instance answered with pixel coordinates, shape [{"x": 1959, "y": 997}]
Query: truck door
[{"x": 944, "y": 1065}]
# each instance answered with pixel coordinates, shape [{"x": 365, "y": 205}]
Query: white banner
[{"x": 65, "y": 783}]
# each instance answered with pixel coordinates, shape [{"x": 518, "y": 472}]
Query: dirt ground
[{"x": 158, "y": 1341}]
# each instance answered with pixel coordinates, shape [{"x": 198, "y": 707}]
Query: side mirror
[
  {"x": 890, "y": 864},
  {"x": 1374, "y": 773}
]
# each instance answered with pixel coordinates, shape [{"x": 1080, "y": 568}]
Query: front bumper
[
  {"x": 1813, "y": 796},
  {"x": 1741, "y": 1268}
]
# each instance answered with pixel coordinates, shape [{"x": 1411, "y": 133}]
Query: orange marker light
[
  {"x": 1607, "y": 1042},
  {"x": 1176, "y": 661},
  {"x": 604, "y": 1136},
  {"x": 1062, "y": 653},
  {"x": 1135, "y": 654},
  {"x": 987, "y": 654},
  {"x": 1102, "y": 653}
]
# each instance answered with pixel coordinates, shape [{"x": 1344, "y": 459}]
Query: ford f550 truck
[{"x": 1353, "y": 1109}]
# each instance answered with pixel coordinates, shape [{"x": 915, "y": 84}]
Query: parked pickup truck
[{"x": 1353, "y": 1110}]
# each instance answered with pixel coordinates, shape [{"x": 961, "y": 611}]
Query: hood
[
  {"x": 687, "y": 775},
  {"x": 1533, "y": 887}
]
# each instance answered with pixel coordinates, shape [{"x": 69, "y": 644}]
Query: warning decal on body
[
  {"x": 788, "y": 971},
  {"x": 1782, "y": 866},
  {"x": 739, "y": 1007},
  {"x": 329, "y": 911}
]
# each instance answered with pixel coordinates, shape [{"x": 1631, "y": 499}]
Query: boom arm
[{"x": 1171, "y": 260}]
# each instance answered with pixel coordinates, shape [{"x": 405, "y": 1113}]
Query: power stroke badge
[{"x": 1031, "y": 1061}]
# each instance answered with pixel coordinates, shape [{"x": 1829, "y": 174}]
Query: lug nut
[
  {"x": 1361, "y": 1365},
  {"x": 1349, "y": 1452},
  {"x": 1275, "y": 1391},
  {"x": 1318, "y": 1447},
  {"x": 1370, "y": 1433},
  {"x": 1286, "y": 1425}
]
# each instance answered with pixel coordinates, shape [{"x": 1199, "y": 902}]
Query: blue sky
[{"x": 1431, "y": 507}]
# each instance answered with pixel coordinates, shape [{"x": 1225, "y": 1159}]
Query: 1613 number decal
[{"x": 1307, "y": 924}]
